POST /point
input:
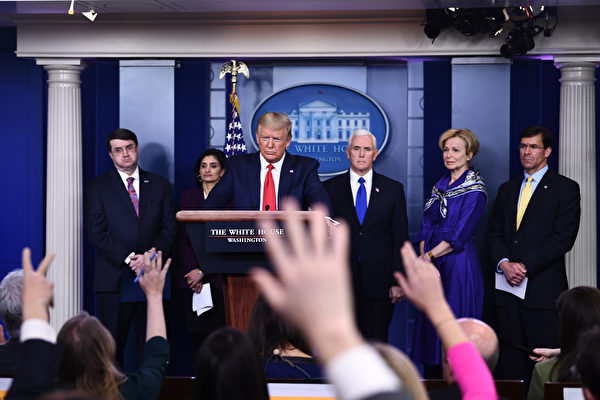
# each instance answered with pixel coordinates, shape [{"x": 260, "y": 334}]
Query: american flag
[{"x": 234, "y": 139}]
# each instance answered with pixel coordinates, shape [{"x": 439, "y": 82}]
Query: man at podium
[{"x": 259, "y": 181}]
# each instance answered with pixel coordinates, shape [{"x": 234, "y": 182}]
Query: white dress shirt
[
  {"x": 354, "y": 185},
  {"x": 276, "y": 172},
  {"x": 136, "y": 180}
]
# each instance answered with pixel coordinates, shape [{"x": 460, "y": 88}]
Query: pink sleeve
[{"x": 471, "y": 373}]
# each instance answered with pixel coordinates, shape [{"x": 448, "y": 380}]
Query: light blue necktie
[{"x": 361, "y": 201}]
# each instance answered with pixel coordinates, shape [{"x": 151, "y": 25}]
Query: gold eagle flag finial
[{"x": 234, "y": 68}]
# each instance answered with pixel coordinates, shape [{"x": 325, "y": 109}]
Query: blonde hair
[
  {"x": 404, "y": 368},
  {"x": 471, "y": 141},
  {"x": 276, "y": 121}
]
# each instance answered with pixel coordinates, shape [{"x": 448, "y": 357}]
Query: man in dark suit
[
  {"x": 127, "y": 212},
  {"x": 376, "y": 212},
  {"x": 534, "y": 224},
  {"x": 259, "y": 181}
]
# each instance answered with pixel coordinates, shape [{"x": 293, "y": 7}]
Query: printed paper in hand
[
  {"x": 202, "y": 302},
  {"x": 519, "y": 290}
]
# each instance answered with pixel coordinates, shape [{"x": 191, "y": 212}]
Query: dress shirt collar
[
  {"x": 277, "y": 165},
  {"x": 124, "y": 176},
  {"x": 354, "y": 185},
  {"x": 136, "y": 180},
  {"x": 368, "y": 177},
  {"x": 538, "y": 175}
]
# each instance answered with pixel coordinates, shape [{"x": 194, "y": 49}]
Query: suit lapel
[
  {"x": 144, "y": 191},
  {"x": 349, "y": 197},
  {"x": 286, "y": 177},
  {"x": 373, "y": 198},
  {"x": 514, "y": 200},
  {"x": 253, "y": 178},
  {"x": 538, "y": 195},
  {"x": 121, "y": 191}
]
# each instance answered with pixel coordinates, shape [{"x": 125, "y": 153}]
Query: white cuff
[
  {"x": 37, "y": 329},
  {"x": 361, "y": 372}
]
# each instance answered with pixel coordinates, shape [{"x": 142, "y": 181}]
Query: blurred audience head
[
  {"x": 404, "y": 369},
  {"x": 11, "y": 312},
  {"x": 219, "y": 157},
  {"x": 228, "y": 368},
  {"x": 587, "y": 364},
  {"x": 483, "y": 338},
  {"x": 269, "y": 332},
  {"x": 578, "y": 310},
  {"x": 87, "y": 360},
  {"x": 69, "y": 395}
]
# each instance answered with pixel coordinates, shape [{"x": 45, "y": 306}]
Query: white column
[
  {"x": 63, "y": 187},
  {"x": 577, "y": 158}
]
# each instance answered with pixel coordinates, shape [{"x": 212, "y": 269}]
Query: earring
[{"x": 199, "y": 177}]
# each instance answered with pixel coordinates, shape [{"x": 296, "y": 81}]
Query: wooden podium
[{"x": 229, "y": 243}]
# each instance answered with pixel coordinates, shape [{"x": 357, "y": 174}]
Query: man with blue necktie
[
  {"x": 374, "y": 207},
  {"x": 534, "y": 224}
]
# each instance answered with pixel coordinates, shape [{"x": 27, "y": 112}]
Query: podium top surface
[{"x": 235, "y": 215}]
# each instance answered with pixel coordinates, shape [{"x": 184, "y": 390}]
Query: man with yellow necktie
[{"x": 534, "y": 224}]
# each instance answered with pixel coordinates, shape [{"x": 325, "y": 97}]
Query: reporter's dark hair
[
  {"x": 228, "y": 368},
  {"x": 122, "y": 134},
  {"x": 219, "y": 155},
  {"x": 268, "y": 331},
  {"x": 587, "y": 364},
  {"x": 534, "y": 130},
  {"x": 579, "y": 310}
]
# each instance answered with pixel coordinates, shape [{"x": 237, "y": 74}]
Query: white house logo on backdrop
[
  {"x": 324, "y": 122},
  {"x": 323, "y": 117}
]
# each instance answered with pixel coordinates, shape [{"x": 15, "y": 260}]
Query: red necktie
[
  {"x": 133, "y": 195},
  {"x": 269, "y": 199}
]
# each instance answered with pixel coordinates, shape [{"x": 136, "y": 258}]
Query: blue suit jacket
[
  {"x": 115, "y": 230},
  {"x": 240, "y": 185}
]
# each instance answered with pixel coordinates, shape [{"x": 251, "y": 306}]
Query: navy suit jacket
[
  {"x": 116, "y": 231},
  {"x": 379, "y": 238},
  {"x": 547, "y": 232},
  {"x": 240, "y": 185}
]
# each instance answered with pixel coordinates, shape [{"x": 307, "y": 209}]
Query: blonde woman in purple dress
[{"x": 451, "y": 214}]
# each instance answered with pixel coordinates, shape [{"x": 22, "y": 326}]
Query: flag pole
[{"x": 234, "y": 143}]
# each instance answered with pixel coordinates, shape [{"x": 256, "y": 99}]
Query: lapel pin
[
  {"x": 291, "y": 171},
  {"x": 545, "y": 186},
  {"x": 377, "y": 189}
]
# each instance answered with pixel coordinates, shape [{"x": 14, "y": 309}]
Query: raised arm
[
  {"x": 152, "y": 282},
  {"x": 422, "y": 285},
  {"x": 312, "y": 291},
  {"x": 36, "y": 371}
]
